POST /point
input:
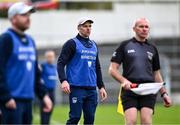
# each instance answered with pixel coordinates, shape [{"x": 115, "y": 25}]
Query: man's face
[
  {"x": 141, "y": 28},
  {"x": 50, "y": 57},
  {"x": 85, "y": 29},
  {"x": 22, "y": 22}
]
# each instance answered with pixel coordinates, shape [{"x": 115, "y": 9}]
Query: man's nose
[{"x": 145, "y": 29}]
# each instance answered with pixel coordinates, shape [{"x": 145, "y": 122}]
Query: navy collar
[
  {"x": 82, "y": 38},
  {"x": 19, "y": 35},
  {"x": 85, "y": 41}
]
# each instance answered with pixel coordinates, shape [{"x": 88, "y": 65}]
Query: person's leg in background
[
  {"x": 76, "y": 102},
  {"x": 46, "y": 116},
  {"x": 89, "y": 107}
]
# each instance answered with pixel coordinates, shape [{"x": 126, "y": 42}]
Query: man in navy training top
[
  {"x": 19, "y": 74},
  {"x": 83, "y": 74},
  {"x": 140, "y": 62},
  {"x": 49, "y": 78}
]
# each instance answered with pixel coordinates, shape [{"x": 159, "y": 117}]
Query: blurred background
[{"x": 56, "y": 21}]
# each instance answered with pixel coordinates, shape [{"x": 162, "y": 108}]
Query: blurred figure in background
[
  {"x": 19, "y": 73},
  {"x": 83, "y": 74},
  {"x": 49, "y": 78},
  {"x": 140, "y": 62}
]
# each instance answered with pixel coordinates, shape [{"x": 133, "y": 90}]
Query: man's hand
[
  {"x": 103, "y": 94},
  {"x": 65, "y": 87},
  {"x": 126, "y": 84},
  {"x": 167, "y": 100},
  {"x": 11, "y": 104},
  {"x": 47, "y": 104}
]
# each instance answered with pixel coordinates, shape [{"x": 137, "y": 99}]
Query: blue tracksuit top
[
  {"x": 49, "y": 75},
  {"x": 20, "y": 68},
  {"x": 81, "y": 70}
]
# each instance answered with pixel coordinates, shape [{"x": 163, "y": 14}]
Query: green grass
[{"x": 107, "y": 115}]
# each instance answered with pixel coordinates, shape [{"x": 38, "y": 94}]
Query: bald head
[
  {"x": 139, "y": 21},
  {"x": 50, "y": 56},
  {"x": 141, "y": 29}
]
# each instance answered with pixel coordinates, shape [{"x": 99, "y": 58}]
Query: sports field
[{"x": 107, "y": 115}]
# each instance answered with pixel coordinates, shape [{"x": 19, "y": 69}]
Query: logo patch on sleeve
[{"x": 114, "y": 54}]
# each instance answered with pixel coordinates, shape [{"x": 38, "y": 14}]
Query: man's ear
[
  {"x": 12, "y": 20},
  {"x": 134, "y": 28},
  {"x": 78, "y": 27}
]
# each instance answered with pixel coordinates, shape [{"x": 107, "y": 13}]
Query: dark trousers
[
  {"x": 21, "y": 115},
  {"x": 46, "y": 116},
  {"x": 82, "y": 100}
]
